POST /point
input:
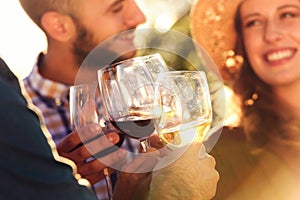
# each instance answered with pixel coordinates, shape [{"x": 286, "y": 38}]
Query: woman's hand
[{"x": 192, "y": 176}]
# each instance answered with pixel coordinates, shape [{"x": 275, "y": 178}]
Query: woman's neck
[
  {"x": 290, "y": 94},
  {"x": 290, "y": 154}
]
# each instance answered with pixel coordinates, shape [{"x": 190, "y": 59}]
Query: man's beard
[
  {"x": 83, "y": 44},
  {"x": 87, "y": 50}
]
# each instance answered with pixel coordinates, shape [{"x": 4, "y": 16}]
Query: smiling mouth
[{"x": 280, "y": 55}]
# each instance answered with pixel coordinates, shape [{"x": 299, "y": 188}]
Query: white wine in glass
[
  {"x": 155, "y": 64},
  {"x": 184, "y": 104}
]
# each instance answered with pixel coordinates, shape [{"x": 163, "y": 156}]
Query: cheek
[
  {"x": 253, "y": 49},
  {"x": 101, "y": 34},
  {"x": 254, "y": 58},
  {"x": 258, "y": 66},
  {"x": 295, "y": 36},
  {"x": 105, "y": 28}
]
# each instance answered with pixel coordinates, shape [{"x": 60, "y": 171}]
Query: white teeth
[{"x": 279, "y": 55}]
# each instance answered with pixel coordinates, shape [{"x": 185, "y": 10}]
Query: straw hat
[{"x": 212, "y": 27}]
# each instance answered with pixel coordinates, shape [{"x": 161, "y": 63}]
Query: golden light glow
[{"x": 21, "y": 40}]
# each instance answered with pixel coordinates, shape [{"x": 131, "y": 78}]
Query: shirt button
[{"x": 58, "y": 102}]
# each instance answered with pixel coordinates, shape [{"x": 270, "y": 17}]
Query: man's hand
[{"x": 88, "y": 143}]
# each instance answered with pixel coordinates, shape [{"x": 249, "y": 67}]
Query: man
[{"x": 73, "y": 28}]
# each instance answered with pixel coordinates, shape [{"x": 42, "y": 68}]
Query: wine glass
[
  {"x": 84, "y": 110},
  {"x": 155, "y": 64},
  {"x": 127, "y": 90},
  {"x": 83, "y": 105},
  {"x": 183, "y": 101}
]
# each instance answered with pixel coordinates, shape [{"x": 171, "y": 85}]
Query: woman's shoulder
[
  {"x": 233, "y": 132},
  {"x": 249, "y": 172},
  {"x": 233, "y": 153},
  {"x": 234, "y": 160},
  {"x": 232, "y": 138}
]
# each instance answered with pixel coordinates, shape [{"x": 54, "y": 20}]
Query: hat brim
[{"x": 212, "y": 27}]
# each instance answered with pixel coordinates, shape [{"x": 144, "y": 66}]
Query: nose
[
  {"x": 273, "y": 32},
  {"x": 133, "y": 15}
]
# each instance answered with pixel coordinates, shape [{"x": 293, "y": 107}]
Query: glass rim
[
  {"x": 137, "y": 58},
  {"x": 82, "y": 85},
  {"x": 183, "y": 72}
]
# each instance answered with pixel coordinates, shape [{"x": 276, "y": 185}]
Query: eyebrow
[
  {"x": 279, "y": 8},
  {"x": 287, "y": 6}
]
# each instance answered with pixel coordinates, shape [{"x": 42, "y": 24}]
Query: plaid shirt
[{"x": 52, "y": 99}]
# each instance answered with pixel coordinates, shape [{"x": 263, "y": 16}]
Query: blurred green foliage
[{"x": 187, "y": 58}]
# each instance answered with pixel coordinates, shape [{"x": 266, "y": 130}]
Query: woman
[{"x": 260, "y": 59}]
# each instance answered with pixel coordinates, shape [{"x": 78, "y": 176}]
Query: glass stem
[
  {"x": 145, "y": 145},
  {"x": 108, "y": 184}
]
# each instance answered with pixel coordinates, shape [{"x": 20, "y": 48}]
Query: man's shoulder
[{"x": 7, "y": 75}]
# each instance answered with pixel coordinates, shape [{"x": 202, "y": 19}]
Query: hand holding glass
[{"x": 84, "y": 110}]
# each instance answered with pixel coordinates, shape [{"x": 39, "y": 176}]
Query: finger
[
  {"x": 89, "y": 132},
  {"x": 115, "y": 159},
  {"x": 211, "y": 161},
  {"x": 156, "y": 142},
  {"x": 94, "y": 178},
  {"x": 203, "y": 157},
  {"x": 68, "y": 143},
  {"x": 96, "y": 165},
  {"x": 91, "y": 167},
  {"x": 202, "y": 153},
  {"x": 97, "y": 176},
  {"x": 142, "y": 163},
  {"x": 78, "y": 155},
  {"x": 81, "y": 153},
  {"x": 100, "y": 143},
  {"x": 210, "y": 183},
  {"x": 74, "y": 140}
]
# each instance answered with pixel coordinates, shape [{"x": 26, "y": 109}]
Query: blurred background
[{"x": 21, "y": 40}]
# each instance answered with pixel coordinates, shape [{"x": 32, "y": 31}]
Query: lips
[{"x": 280, "y": 55}]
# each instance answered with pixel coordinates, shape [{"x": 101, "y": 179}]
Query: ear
[{"x": 57, "y": 26}]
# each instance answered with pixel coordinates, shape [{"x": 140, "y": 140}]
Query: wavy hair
[{"x": 267, "y": 118}]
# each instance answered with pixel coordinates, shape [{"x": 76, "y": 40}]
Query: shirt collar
[{"x": 47, "y": 87}]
